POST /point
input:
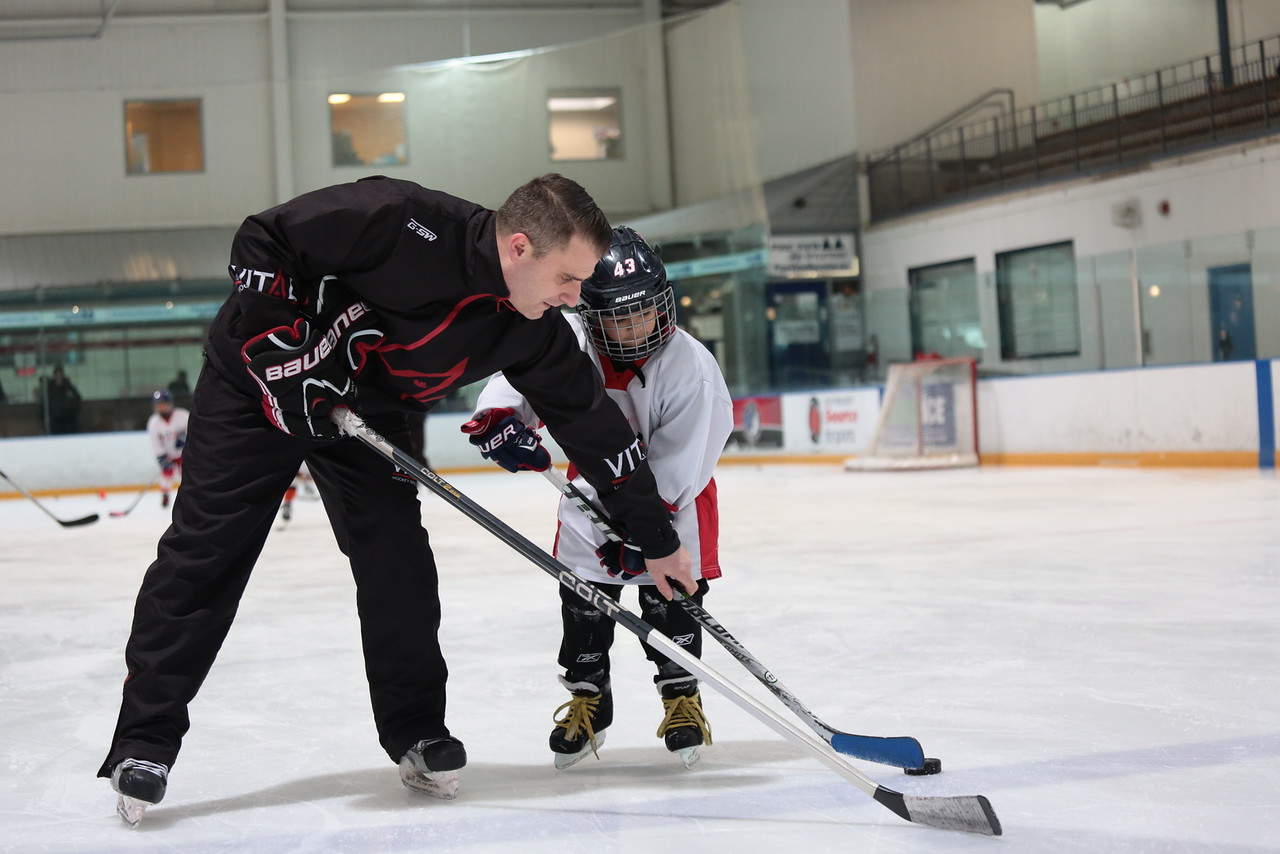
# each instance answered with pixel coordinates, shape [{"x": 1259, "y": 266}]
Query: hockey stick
[
  {"x": 66, "y": 523},
  {"x": 903, "y": 751},
  {"x": 969, "y": 813},
  {"x": 116, "y": 514}
]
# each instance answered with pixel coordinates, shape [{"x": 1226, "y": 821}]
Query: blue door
[{"x": 1231, "y": 312}]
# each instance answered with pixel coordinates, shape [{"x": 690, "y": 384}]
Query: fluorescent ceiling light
[
  {"x": 390, "y": 97},
  {"x": 339, "y": 98},
  {"x": 565, "y": 105}
]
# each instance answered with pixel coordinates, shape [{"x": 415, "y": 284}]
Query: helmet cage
[{"x": 634, "y": 330}]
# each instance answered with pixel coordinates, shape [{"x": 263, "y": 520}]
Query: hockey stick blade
[
  {"x": 971, "y": 814},
  {"x": 967, "y": 813},
  {"x": 902, "y": 751},
  {"x": 899, "y": 751},
  {"x": 66, "y": 523},
  {"x": 137, "y": 499}
]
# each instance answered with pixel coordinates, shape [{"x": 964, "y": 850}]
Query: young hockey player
[
  {"x": 673, "y": 394},
  {"x": 167, "y": 428}
]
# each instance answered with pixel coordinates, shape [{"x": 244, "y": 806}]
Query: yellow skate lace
[
  {"x": 577, "y": 718},
  {"x": 684, "y": 711}
]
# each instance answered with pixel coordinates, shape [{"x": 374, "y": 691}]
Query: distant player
[
  {"x": 301, "y": 481},
  {"x": 672, "y": 392},
  {"x": 167, "y": 428}
]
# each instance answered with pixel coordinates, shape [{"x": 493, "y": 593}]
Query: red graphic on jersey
[{"x": 433, "y": 385}]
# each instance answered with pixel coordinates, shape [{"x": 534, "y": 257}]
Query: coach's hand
[
  {"x": 508, "y": 441},
  {"x": 309, "y": 366},
  {"x": 675, "y": 567}
]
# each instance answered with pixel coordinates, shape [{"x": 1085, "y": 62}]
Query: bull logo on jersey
[{"x": 405, "y": 361}]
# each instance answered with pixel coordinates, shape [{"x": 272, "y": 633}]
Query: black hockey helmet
[
  {"x": 162, "y": 395},
  {"x": 627, "y": 303}
]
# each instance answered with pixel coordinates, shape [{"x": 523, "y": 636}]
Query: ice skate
[
  {"x": 164, "y": 499},
  {"x": 139, "y": 784},
  {"x": 431, "y": 766},
  {"x": 585, "y": 717},
  {"x": 684, "y": 727}
]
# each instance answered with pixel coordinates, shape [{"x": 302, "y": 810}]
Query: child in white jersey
[
  {"x": 167, "y": 428},
  {"x": 672, "y": 391}
]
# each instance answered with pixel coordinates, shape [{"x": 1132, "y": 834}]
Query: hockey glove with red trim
[
  {"x": 307, "y": 367},
  {"x": 508, "y": 441},
  {"x": 621, "y": 559}
]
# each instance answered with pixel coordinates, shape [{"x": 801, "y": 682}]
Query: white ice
[{"x": 1097, "y": 651}]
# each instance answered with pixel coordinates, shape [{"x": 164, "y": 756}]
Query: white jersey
[
  {"x": 684, "y": 414},
  {"x": 168, "y": 435}
]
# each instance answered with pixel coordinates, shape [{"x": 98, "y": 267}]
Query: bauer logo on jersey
[
  {"x": 682, "y": 640},
  {"x": 588, "y": 657},
  {"x": 421, "y": 230}
]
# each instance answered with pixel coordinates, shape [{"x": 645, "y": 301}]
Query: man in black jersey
[{"x": 382, "y": 295}]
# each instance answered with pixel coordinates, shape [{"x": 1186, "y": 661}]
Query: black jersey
[{"x": 427, "y": 264}]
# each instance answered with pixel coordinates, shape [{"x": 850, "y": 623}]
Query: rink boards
[{"x": 1217, "y": 415}]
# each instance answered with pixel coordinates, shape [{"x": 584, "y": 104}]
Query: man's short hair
[{"x": 549, "y": 210}]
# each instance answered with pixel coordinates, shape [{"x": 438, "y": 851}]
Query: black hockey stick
[
  {"x": 66, "y": 523},
  {"x": 902, "y": 751},
  {"x": 116, "y": 514},
  {"x": 969, "y": 813}
]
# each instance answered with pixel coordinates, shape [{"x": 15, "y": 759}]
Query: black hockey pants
[
  {"x": 588, "y": 634},
  {"x": 236, "y": 468}
]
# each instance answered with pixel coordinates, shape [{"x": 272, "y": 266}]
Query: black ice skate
[
  {"x": 164, "y": 499},
  {"x": 139, "y": 784},
  {"x": 684, "y": 727},
  {"x": 432, "y": 766},
  {"x": 586, "y": 715}
]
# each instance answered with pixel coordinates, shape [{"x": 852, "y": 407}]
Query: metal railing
[{"x": 1133, "y": 120}]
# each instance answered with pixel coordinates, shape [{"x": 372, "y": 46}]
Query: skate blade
[
  {"x": 690, "y": 755},
  {"x": 131, "y": 809},
  {"x": 568, "y": 760},
  {"x": 437, "y": 784}
]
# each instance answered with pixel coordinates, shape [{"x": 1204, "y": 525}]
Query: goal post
[{"x": 928, "y": 418}]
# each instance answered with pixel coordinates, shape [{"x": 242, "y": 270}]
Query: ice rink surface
[{"x": 1096, "y": 650}]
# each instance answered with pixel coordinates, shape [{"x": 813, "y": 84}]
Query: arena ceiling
[{"x": 37, "y": 19}]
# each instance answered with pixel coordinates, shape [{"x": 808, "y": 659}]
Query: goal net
[{"x": 928, "y": 418}]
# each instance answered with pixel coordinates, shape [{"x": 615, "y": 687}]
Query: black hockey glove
[
  {"x": 508, "y": 441},
  {"x": 308, "y": 366},
  {"x": 621, "y": 559}
]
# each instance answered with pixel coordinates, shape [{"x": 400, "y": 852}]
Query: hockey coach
[{"x": 385, "y": 296}]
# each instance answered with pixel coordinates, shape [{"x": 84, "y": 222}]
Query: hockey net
[{"x": 928, "y": 418}]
